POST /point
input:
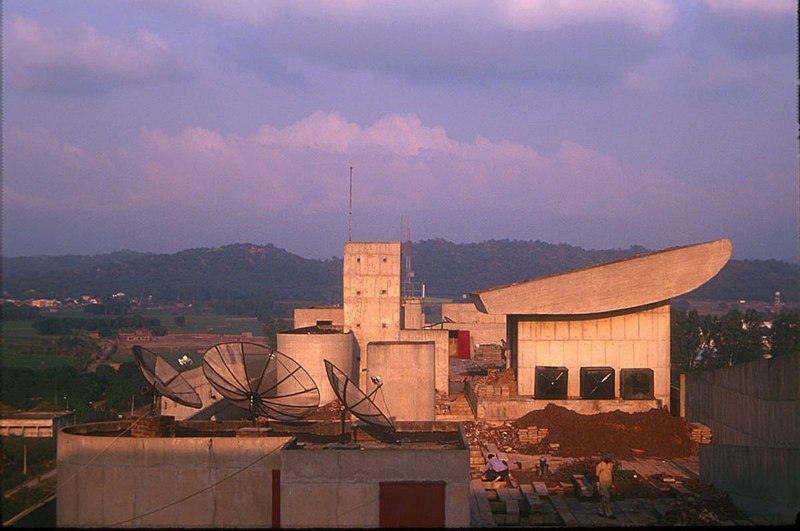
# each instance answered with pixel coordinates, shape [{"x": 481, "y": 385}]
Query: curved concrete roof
[{"x": 619, "y": 285}]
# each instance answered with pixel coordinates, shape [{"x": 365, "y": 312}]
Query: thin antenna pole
[{"x": 350, "y": 214}]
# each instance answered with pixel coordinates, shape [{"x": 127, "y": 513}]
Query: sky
[{"x": 161, "y": 126}]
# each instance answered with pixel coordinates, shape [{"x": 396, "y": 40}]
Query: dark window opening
[
  {"x": 551, "y": 383},
  {"x": 597, "y": 383},
  {"x": 636, "y": 384}
]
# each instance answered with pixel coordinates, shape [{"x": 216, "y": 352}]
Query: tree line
[
  {"x": 105, "y": 327},
  {"x": 699, "y": 341}
]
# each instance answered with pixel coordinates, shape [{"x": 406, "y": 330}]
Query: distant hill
[{"x": 246, "y": 272}]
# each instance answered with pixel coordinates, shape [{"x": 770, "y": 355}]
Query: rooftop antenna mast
[{"x": 350, "y": 215}]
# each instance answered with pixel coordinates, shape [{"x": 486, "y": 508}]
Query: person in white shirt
[{"x": 495, "y": 469}]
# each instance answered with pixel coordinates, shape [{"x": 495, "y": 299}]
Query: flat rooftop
[{"x": 308, "y": 434}]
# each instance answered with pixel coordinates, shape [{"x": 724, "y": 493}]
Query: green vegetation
[
  {"x": 41, "y": 455},
  {"x": 23, "y": 499},
  {"x": 737, "y": 337},
  {"x": 105, "y": 327},
  {"x": 94, "y": 396}
]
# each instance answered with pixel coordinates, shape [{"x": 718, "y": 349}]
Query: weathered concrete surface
[
  {"x": 613, "y": 286},
  {"x": 754, "y": 456},
  {"x": 310, "y": 350},
  {"x": 150, "y": 482},
  {"x": 440, "y": 339},
  {"x": 632, "y": 339},
  {"x": 309, "y": 316},
  {"x": 371, "y": 293},
  {"x": 339, "y": 488},
  {"x": 504, "y": 409},
  {"x": 483, "y": 327},
  {"x": 408, "y": 372},
  {"x": 413, "y": 315}
]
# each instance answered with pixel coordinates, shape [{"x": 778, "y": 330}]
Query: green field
[{"x": 22, "y": 346}]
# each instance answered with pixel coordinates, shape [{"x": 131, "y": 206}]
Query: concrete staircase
[{"x": 454, "y": 408}]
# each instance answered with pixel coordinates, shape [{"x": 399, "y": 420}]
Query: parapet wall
[{"x": 165, "y": 482}]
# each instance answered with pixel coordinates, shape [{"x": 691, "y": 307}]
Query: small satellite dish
[
  {"x": 261, "y": 380},
  {"x": 355, "y": 400},
  {"x": 164, "y": 379}
]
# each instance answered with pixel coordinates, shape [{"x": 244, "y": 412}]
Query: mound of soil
[{"x": 655, "y": 433}]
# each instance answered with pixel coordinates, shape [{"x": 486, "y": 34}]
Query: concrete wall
[
  {"x": 442, "y": 361},
  {"x": 638, "y": 338},
  {"x": 413, "y": 314},
  {"x": 371, "y": 293},
  {"x": 753, "y": 411},
  {"x": 504, "y": 409},
  {"x": 208, "y": 395},
  {"x": 310, "y": 351},
  {"x": 36, "y": 424},
  {"x": 304, "y": 317},
  {"x": 483, "y": 327},
  {"x": 339, "y": 488},
  {"x": 408, "y": 372},
  {"x": 145, "y": 482}
]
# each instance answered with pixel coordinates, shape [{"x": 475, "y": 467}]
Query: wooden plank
[
  {"x": 563, "y": 511},
  {"x": 511, "y": 505},
  {"x": 540, "y": 488},
  {"x": 484, "y": 514},
  {"x": 533, "y": 499},
  {"x": 491, "y": 448}
]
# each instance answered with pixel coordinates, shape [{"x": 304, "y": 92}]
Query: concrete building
[
  {"x": 374, "y": 312},
  {"x": 311, "y": 345},
  {"x": 35, "y": 423},
  {"x": 232, "y": 475},
  {"x": 319, "y": 315},
  {"x": 483, "y": 328},
  {"x": 598, "y": 338}
]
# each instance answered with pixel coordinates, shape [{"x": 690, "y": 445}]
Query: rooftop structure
[{"x": 597, "y": 338}]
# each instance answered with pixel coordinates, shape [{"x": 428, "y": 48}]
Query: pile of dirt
[
  {"x": 654, "y": 433},
  {"x": 497, "y": 376}
]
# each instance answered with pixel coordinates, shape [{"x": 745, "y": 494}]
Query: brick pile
[{"x": 699, "y": 433}]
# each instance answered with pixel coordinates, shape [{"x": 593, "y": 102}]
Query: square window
[
  {"x": 597, "y": 383},
  {"x": 636, "y": 384},
  {"x": 551, "y": 383}
]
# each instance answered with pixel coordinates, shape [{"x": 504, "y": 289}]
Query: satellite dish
[
  {"x": 355, "y": 400},
  {"x": 261, "y": 380},
  {"x": 164, "y": 379}
]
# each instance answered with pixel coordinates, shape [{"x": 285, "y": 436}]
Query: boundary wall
[{"x": 753, "y": 411}]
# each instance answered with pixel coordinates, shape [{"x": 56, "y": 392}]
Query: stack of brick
[
  {"x": 583, "y": 487},
  {"x": 699, "y": 433},
  {"x": 476, "y": 460},
  {"x": 531, "y": 435},
  {"x": 488, "y": 352},
  {"x": 155, "y": 426},
  {"x": 492, "y": 391}
]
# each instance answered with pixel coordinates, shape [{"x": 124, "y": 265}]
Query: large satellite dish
[
  {"x": 164, "y": 379},
  {"x": 355, "y": 400},
  {"x": 261, "y": 380}
]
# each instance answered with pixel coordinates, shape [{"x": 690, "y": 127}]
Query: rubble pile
[
  {"x": 704, "y": 507},
  {"x": 654, "y": 433}
]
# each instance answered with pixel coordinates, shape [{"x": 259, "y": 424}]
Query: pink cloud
[{"x": 38, "y": 56}]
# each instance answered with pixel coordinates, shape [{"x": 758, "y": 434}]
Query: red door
[
  {"x": 412, "y": 504},
  {"x": 464, "y": 345}
]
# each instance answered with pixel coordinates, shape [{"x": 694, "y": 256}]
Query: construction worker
[
  {"x": 604, "y": 470},
  {"x": 495, "y": 469}
]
